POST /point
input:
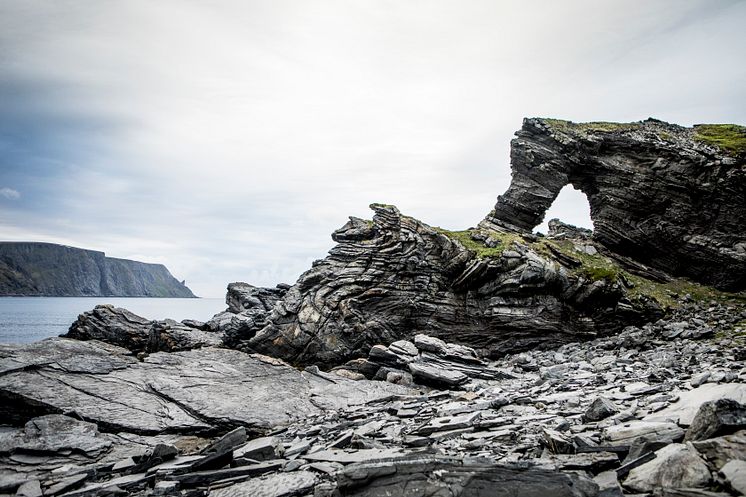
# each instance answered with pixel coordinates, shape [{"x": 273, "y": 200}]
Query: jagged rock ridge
[
  {"x": 51, "y": 270},
  {"x": 665, "y": 195},
  {"x": 394, "y": 277}
]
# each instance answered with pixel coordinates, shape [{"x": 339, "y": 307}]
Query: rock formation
[
  {"x": 664, "y": 195},
  {"x": 626, "y": 413},
  {"x": 394, "y": 277},
  {"x": 50, "y": 270},
  {"x": 481, "y": 362}
]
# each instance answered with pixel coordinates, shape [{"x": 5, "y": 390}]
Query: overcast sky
[{"x": 227, "y": 140}]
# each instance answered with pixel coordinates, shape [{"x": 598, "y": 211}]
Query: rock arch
[{"x": 656, "y": 193}]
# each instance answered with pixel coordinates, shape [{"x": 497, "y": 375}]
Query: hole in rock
[{"x": 571, "y": 207}]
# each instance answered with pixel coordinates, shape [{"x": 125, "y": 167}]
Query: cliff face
[
  {"x": 46, "y": 269},
  {"x": 667, "y": 196}
]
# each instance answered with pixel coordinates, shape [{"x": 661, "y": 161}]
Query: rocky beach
[{"x": 415, "y": 360}]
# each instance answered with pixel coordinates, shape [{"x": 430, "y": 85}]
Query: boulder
[
  {"x": 717, "y": 417},
  {"x": 652, "y": 431},
  {"x": 685, "y": 409},
  {"x": 600, "y": 408},
  {"x": 675, "y": 466},
  {"x": 718, "y": 451},
  {"x": 125, "y": 329},
  {"x": 734, "y": 473},
  {"x": 55, "y": 433}
]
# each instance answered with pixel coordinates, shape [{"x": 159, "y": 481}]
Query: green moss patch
[
  {"x": 464, "y": 237},
  {"x": 599, "y": 267},
  {"x": 728, "y": 137},
  {"x": 591, "y": 127}
]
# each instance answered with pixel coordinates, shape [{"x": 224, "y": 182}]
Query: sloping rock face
[
  {"x": 51, "y": 270},
  {"x": 658, "y": 192},
  {"x": 394, "y": 277},
  {"x": 193, "y": 392}
]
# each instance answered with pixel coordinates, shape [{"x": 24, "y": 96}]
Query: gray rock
[
  {"x": 449, "y": 423},
  {"x": 195, "y": 391},
  {"x": 353, "y": 456},
  {"x": 734, "y": 473},
  {"x": 431, "y": 475},
  {"x": 657, "y": 431},
  {"x": 55, "y": 433},
  {"x": 123, "y": 328},
  {"x": 391, "y": 278},
  {"x": 626, "y": 172},
  {"x": 31, "y": 488},
  {"x": 684, "y": 410},
  {"x": 675, "y": 466},
  {"x": 600, "y": 408},
  {"x": 718, "y": 417},
  {"x": 608, "y": 485},
  {"x": 718, "y": 451},
  {"x": 274, "y": 485},
  {"x": 433, "y": 375},
  {"x": 261, "y": 449}
]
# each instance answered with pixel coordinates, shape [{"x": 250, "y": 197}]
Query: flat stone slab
[
  {"x": 276, "y": 485},
  {"x": 684, "y": 410},
  {"x": 353, "y": 456},
  {"x": 192, "y": 391}
]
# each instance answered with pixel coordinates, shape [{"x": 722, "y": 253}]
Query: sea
[{"x": 28, "y": 319}]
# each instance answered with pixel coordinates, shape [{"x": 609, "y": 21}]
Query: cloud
[
  {"x": 9, "y": 193},
  {"x": 228, "y": 139}
]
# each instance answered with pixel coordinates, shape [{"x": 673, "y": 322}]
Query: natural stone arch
[{"x": 656, "y": 193}]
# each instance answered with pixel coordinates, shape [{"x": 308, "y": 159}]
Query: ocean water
[{"x": 28, "y": 319}]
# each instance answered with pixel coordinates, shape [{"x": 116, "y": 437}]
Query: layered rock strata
[
  {"x": 394, "y": 277},
  {"x": 51, "y": 270},
  {"x": 665, "y": 195}
]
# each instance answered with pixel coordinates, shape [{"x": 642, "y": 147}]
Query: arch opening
[{"x": 570, "y": 206}]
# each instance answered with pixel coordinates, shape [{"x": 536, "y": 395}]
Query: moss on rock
[{"x": 728, "y": 137}]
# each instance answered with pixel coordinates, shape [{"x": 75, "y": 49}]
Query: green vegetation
[
  {"x": 598, "y": 267},
  {"x": 602, "y": 126},
  {"x": 479, "y": 248},
  {"x": 595, "y": 267},
  {"x": 728, "y": 137}
]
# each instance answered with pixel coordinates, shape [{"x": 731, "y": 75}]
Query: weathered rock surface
[
  {"x": 248, "y": 310},
  {"x": 658, "y": 193},
  {"x": 395, "y": 277},
  {"x": 716, "y": 418},
  {"x": 675, "y": 466},
  {"x": 429, "y": 475},
  {"x": 515, "y": 425},
  {"x": 123, "y": 328},
  {"x": 195, "y": 392},
  {"x": 48, "y": 269}
]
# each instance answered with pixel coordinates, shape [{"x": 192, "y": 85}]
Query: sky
[{"x": 228, "y": 139}]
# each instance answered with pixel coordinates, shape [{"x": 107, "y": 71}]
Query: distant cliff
[{"x": 47, "y": 269}]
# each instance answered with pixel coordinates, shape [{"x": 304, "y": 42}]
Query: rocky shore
[
  {"x": 420, "y": 361},
  {"x": 659, "y": 409}
]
